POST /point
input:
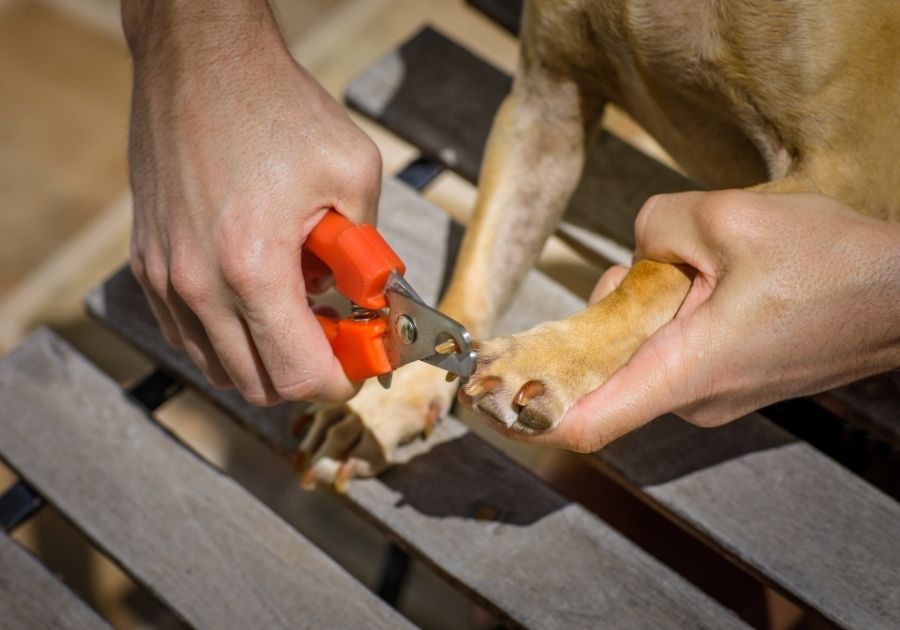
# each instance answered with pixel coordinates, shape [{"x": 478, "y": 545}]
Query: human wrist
[{"x": 193, "y": 29}]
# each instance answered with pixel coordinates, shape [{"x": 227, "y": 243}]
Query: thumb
[{"x": 659, "y": 378}]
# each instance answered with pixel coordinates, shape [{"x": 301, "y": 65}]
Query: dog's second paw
[{"x": 360, "y": 438}]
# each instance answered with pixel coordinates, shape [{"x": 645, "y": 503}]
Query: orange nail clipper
[{"x": 390, "y": 325}]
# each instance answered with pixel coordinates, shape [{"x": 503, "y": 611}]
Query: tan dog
[{"x": 778, "y": 95}]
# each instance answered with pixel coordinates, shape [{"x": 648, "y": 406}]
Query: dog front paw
[
  {"x": 527, "y": 382},
  {"x": 360, "y": 438}
]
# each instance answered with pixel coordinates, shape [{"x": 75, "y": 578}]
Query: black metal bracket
[
  {"x": 420, "y": 172},
  {"x": 17, "y": 505},
  {"x": 154, "y": 389},
  {"x": 395, "y": 570}
]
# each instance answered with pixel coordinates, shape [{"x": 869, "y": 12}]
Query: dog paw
[
  {"x": 360, "y": 438},
  {"x": 527, "y": 382}
]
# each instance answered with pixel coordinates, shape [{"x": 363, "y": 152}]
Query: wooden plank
[
  {"x": 740, "y": 488},
  {"x": 872, "y": 404},
  {"x": 539, "y": 561},
  {"x": 191, "y": 535},
  {"x": 30, "y": 597},
  {"x": 441, "y": 98}
]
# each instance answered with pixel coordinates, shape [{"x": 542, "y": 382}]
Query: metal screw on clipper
[{"x": 406, "y": 330}]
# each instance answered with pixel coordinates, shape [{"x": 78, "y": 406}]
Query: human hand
[
  {"x": 236, "y": 153},
  {"x": 795, "y": 293}
]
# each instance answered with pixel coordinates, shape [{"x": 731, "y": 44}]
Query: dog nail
[
  {"x": 448, "y": 347},
  {"x": 486, "y": 384},
  {"x": 308, "y": 480},
  {"x": 434, "y": 410},
  {"x": 476, "y": 346},
  {"x": 528, "y": 391},
  {"x": 343, "y": 477},
  {"x": 450, "y": 377},
  {"x": 301, "y": 459}
]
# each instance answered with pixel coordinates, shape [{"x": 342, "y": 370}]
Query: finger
[
  {"x": 233, "y": 343},
  {"x": 164, "y": 317},
  {"x": 290, "y": 341},
  {"x": 666, "y": 229},
  {"x": 608, "y": 282},
  {"x": 658, "y": 379},
  {"x": 196, "y": 342},
  {"x": 157, "y": 306}
]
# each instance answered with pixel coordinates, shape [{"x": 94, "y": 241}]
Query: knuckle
[
  {"x": 370, "y": 157},
  {"x": 185, "y": 279},
  {"x": 362, "y": 166},
  {"x": 136, "y": 263},
  {"x": 157, "y": 275},
  {"x": 242, "y": 262},
  {"x": 643, "y": 217},
  {"x": 726, "y": 214}
]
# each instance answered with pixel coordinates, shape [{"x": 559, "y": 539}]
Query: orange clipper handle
[
  {"x": 358, "y": 256},
  {"x": 361, "y": 261},
  {"x": 358, "y": 346}
]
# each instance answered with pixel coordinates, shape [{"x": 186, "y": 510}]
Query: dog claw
[
  {"x": 308, "y": 480},
  {"x": 482, "y": 385},
  {"x": 343, "y": 477},
  {"x": 434, "y": 411},
  {"x": 301, "y": 459},
  {"x": 529, "y": 390},
  {"x": 450, "y": 377},
  {"x": 448, "y": 347}
]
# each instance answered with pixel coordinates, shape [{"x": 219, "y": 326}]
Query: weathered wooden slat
[
  {"x": 872, "y": 404},
  {"x": 30, "y": 597},
  {"x": 540, "y": 561},
  {"x": 736, "y": 487},
  {"x": 192, "y": 536}
]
